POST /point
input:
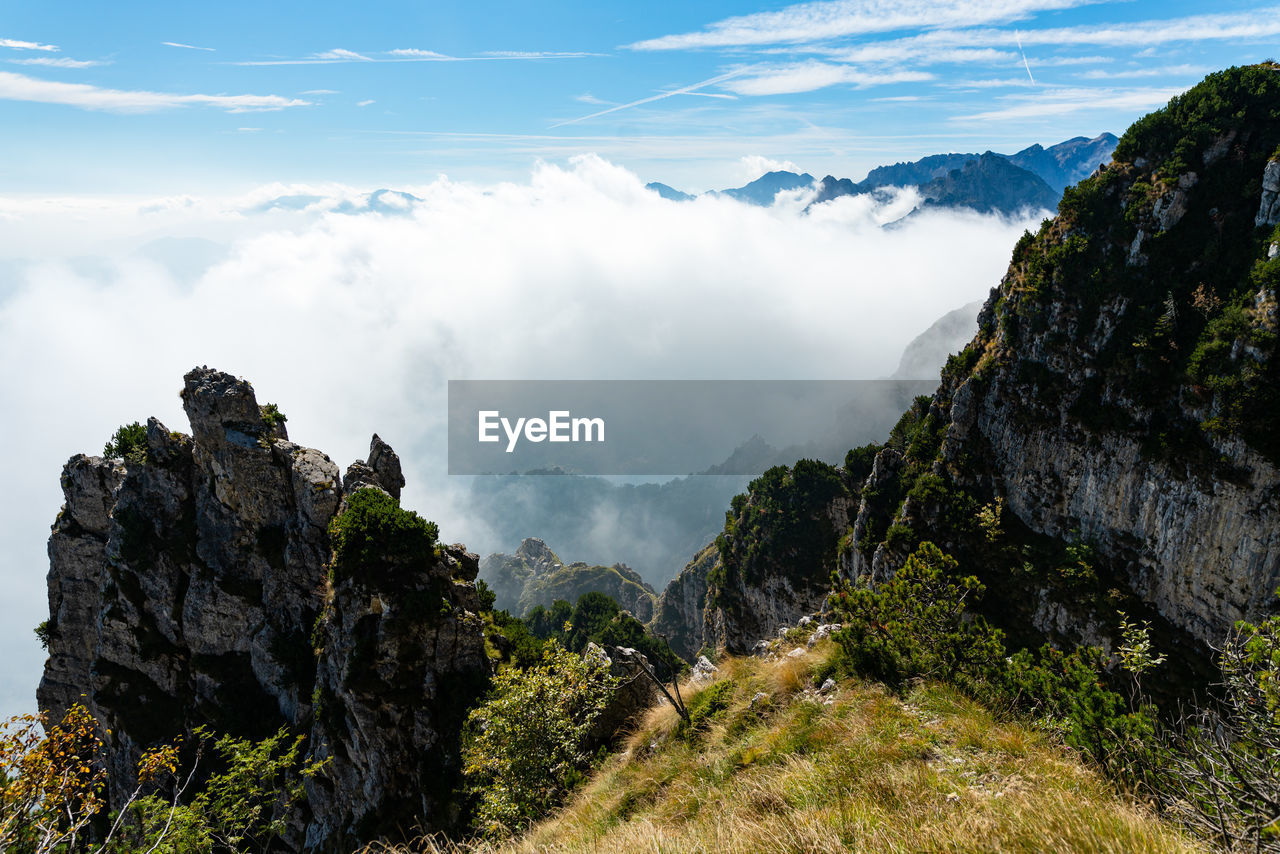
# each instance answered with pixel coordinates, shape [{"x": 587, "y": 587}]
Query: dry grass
[{"x": 864, "y": 772}]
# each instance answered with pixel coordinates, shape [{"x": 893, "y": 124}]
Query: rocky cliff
[
  {"x": 535, "y": 575},
  {"x": 194, "y": 583},
  {"x": 1107, "y": 441}
]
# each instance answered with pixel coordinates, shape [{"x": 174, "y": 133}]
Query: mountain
[
  {"x": 669, "y": 193},
  {"x": 193, "y": 583},
  {"x": 763, "y": 190},
  {"x": 1036, "y": 179},
  {"x": 535, "y": 575},
  {"x": 912, "y": 173},
  {"x": 990, "y": 184},
  {"x": 1068, "y": 162},
  {"x": 1104, "y": 445}
]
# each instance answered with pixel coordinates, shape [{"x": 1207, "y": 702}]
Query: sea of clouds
[{"x": 352, "y": 319}]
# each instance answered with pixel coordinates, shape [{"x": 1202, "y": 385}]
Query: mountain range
[{"x": 1034, "y": 178}]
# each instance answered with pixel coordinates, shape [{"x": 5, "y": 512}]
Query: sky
[
  {"x": 187, "y": 184},
  {"x": 150, "y": 97}
]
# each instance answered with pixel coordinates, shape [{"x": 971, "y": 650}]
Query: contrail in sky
[
  {"x": 684, "y": 90},
  {"x": 1025, "y": 64}
]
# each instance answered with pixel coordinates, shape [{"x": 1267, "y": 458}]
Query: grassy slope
[{"x": 867, "y": 771}]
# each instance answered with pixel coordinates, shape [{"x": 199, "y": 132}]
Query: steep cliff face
[
  {"x": 1107, "y": 442},
  {"x": 535, "y": 575},
  {"x": 184, "y": 588},
  {"x": 678, "y": 615},
  {"x": 1119, "y": 399}
]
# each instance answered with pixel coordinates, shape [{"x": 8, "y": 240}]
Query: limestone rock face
[
  {"x": 184, "y": 589},
  {"x": 678, "y": 616},
  {"x": 1069, "y": 414}
]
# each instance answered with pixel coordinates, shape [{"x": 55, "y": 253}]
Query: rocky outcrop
[
  {"x": 636, "y": 692},
  {"x": 777, "y": 554},
  {"x": 1269, "y": 206},
  {"x": 184, "y": 588},
  {"x": 535, "y": 575}
]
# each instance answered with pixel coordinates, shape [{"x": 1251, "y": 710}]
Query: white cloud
[
  {"x": 342, "y": 54},
  {"x": 1262, "y": 23},
  {"x": 1061, "y": 102},
  {"x": 60, "y": 62},
  {"x": 588, "y": 98},
  {"x": 1165, "y": 71},
  {"x": 365, "y": 103},
  {"x": 537, "y": 54},
  {"x": 411, "y": 54},
  {"x": 919, "y": 54},
  {"x": 828, "y": 19},
  {"x": 186, "y": 46},
  {"x": 989, "y": 83},
  {"x": 15, "y": 44},
  {"x": 19, "y": 87},
  {"x": 321, "y": 92},
  {"x": 354, "y": 323},
  {"x": 1057, "y": 61},
  {"x": 419, "y": 54},
  {"x": 811, "y": 75}
]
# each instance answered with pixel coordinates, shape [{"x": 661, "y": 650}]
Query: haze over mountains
[{"x": 989, "y": 182}]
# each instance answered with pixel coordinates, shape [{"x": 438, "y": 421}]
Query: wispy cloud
[
  {"x": 365, "y": 103},
  {"x": 321, "y": 92},
  {"x": 1057, "y": 61},
  {"x": 19, "y": 87},
  {"x": 683, "y": 90},
  {"x": 60, "y": 62},
  {"x": 186, "y": 46},
  {"x": 416, "y": 53},
  {"x": 828, "y": 19},
  {"x": 811, "y": 75},
  {"x": 1165, "y": 71},
  {"x": 537, "y": 54},
  {"x": 413, "y": 54},
  {"x": 1263, "y": 23},
  {"x": 1062, "y": 102},
  {"x": 588, "y": 98},
  {"x": 15, "y": 44},
  {"x": 990, "y": 83},
  {"x": 342, "y": 54},
  {"x": 895, "y": 51}
]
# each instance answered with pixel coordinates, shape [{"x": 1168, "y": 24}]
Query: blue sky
[{"x": 182, "y": 97}]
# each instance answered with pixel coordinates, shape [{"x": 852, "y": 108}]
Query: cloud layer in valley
[{"x": 353, "y": 321}]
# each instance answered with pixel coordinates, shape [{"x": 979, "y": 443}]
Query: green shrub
[
  {"x": 42, "y": 634},
  {"x": 524, "y": 745},
  {"x": 272, "y": 416},
  {"x": 914, "y": 624},
  {"x": 375, "y": 540},
  {"x": 129, "y": 443}
]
